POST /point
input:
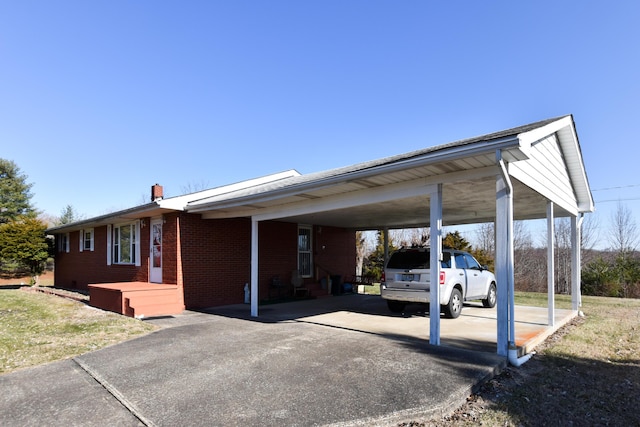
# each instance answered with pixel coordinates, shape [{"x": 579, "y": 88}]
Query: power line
[
  {"x": 618, "y": 200},
  {"x": 617, "y": 188}
]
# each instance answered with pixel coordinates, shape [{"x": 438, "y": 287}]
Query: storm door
[{"x": 155, "y": 269}]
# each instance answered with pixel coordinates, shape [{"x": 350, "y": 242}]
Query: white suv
[{"x": 406, "y": 279}]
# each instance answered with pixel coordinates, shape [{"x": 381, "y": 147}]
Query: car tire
[
  {"x": 491, "y": 299},
  {"x": 396, "y": 306},
  {"x": 454, "y": 307}
]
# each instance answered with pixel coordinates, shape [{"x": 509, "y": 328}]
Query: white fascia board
[
  {"x": 510, "y": 146},
  {"x": 527, "y": 139},
  {"x": 180, "y": 202},
  {"x": 577, "y": 172},
  {"x": 137, "y": 212},
  {"x": 418, "y": 187},
  {"x": 572, "y": 154},
  {"x": 199, "y": 198},
  {"x": 346, "y": 200}
]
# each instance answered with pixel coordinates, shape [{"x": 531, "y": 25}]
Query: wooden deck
[{"x": 137, "y": 299}]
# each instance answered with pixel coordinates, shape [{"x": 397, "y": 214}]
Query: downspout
[{"x": 513, "y": 350}]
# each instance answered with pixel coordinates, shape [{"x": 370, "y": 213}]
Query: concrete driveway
[{"x": 336, "y": 361}]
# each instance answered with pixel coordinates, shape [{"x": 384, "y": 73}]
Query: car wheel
[
  {"x": 490, "y": 301},
  {"x": 453, "y": 309},
  {"x": 396, "y": 306}
]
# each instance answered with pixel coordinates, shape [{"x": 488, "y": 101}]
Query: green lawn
[{"x": 36, "y": 328}]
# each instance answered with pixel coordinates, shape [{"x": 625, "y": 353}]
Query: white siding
[{"x": 546, "y": 173}]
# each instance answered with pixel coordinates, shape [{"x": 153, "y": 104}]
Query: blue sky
[{"x": 101, "y": 99}]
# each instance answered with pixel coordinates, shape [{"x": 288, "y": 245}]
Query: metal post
[
  {"x": 550, "y": 265},
  {"x": 436, "y": 257},
  {"x": 576, "y": 261},
  {"x": 254, "y": 268}
]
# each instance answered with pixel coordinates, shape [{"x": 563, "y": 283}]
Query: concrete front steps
[{"x": 137, "y": 299}]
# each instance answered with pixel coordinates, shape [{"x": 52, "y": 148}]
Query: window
[
  {"x": 86, "y": 240},
  {"x": 461, "y": 261},
  {"x": 472, "y": 263},
  {"x": 63, "y": 242},
  {"x": 126, "y": 247},
  {"x": 305, "y": 262}
]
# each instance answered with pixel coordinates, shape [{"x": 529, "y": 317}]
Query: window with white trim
[
  {"x": 305, "y": 259},
  {"x": 63, "y": 242},
  {"x": 86, "y": 239},
  {"x": 126, "y": 244}
]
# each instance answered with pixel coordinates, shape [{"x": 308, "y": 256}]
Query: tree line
[{"x": 612, "y": 272}]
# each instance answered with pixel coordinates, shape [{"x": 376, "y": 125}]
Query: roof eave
[
  {"x": 142, "y": 211},
  {"x": 510, "y": 147}
]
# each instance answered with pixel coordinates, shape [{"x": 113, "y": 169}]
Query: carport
[{"x": 534, "y": 171}]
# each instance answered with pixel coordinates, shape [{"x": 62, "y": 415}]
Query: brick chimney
[{"x": 156, "y": 192}]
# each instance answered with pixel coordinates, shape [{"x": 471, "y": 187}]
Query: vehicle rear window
[{"x": 416, "y": 259}]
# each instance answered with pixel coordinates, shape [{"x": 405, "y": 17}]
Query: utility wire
[
  {"x": 618, "y": 200},
  {"x": 617, "y": 188}
]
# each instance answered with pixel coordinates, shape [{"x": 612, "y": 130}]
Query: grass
[
  {"x": 588, "y": 373},
  {"x": 372, "y": 289},
  {"x": 37, "y": 328}
]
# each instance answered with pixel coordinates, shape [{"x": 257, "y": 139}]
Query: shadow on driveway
[{"x": 302, "y": 364}]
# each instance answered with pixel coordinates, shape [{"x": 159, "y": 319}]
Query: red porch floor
[{"x": 137, "y": 299}]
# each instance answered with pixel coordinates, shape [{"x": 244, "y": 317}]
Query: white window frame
[
  {"x": 134, "y": 244},
  {"x": 63, "y": 242},
  {"x": 305, "y": 254},
  {"x": 86, "y": 236}
]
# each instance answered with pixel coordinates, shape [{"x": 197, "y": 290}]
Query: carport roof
[{"x": 394, "y": 191}]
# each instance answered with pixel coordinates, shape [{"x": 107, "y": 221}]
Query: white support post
[
  {"x": 436, "y": 256},
  {"x": 504, "y": 260},
  {"x": 551, "y": 277},
  {"x": 254, "y": 268},
  {"x": 576, "y": 262}
]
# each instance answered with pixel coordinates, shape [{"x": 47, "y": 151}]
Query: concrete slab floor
[{"x": 475, "y": 329}]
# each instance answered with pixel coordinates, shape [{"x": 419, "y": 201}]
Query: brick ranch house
[
  {"x": 200, "y": 250},
  {"x": 159, "y": 258}
]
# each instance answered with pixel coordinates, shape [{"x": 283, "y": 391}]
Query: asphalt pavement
[{"x": 338, "y": 361}]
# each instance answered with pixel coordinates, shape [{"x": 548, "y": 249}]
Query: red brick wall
[
  {"x": 215, "y": 262},
  {"x": 334, "y": 252},
  {"x": 170, "y": 268},
  {"x": 75, "y": 269},
  {"x": 217, "y": 257},
  {"x": 278, "y": 253}
]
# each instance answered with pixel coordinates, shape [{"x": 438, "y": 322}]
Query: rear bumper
[{"x": 407, "y": 295}]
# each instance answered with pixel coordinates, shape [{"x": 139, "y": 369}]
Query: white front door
[{"x": 155, "y": 269}]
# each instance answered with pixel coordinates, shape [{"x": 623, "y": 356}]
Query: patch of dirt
[
  {"x": 46, "y": 278},
  {"x": 75, "y": 294}
]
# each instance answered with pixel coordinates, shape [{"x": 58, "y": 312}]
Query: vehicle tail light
[
  {"x": 442, "y": 277},
  {"x": 383, "y": 277}
]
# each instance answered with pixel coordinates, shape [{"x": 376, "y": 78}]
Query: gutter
[
  {"x": 136, "y": 212},
  {"x": 440, "y": 154}
]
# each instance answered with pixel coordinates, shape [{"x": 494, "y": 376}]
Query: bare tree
[
  {"x": 623, "y": 234},
  {"x": 194, "y": 187},
  {"x": 562, "y": 251},
  {"x": 360, "y": 251},
  {"x": 530, "y": 263},
  {"x": 486, "y": 238},
  {"x": 624, "y": 241},
  {"x": 410, "y": 236}
]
